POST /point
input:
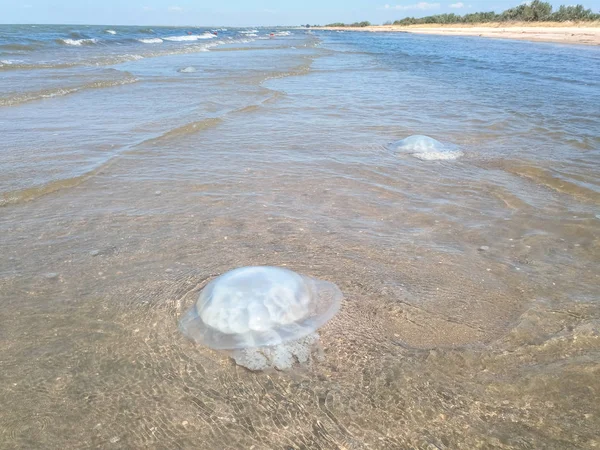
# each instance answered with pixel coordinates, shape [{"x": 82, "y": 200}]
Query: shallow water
[{"x": 471, "y": 315}]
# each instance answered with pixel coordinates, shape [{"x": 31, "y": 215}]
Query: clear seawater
[{"x": 471, "y": 316}]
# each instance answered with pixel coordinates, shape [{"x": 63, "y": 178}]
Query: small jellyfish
[
  {"x": 425, "y": 148},
  {"x": 262, "y": 316}
]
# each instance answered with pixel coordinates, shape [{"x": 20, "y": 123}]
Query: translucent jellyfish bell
[
  {"x": 425, "y": 148},
  {"x": 261, "y": 313}
]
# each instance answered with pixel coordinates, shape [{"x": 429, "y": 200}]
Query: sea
[{"x": 139, "y": 163}]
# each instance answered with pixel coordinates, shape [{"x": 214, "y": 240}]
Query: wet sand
[{"x": 544, "y": 32}]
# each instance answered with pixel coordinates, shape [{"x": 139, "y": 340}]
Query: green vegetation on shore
[
  {"x": 534, "y": 11},
  {"x": 355, "y": 24}
]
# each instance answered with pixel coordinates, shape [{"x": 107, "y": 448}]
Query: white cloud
[
  {"x": 457, "y": 5},
  {"x": 423, "y": 6},
  {"x": 175, "y": 8}
]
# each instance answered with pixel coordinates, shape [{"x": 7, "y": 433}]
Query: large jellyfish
[
  {"x": 263, "y": 316},
  {"x": 425, "y": 148}
]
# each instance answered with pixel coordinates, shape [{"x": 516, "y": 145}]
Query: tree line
[
  {"x": 534, "y": 11},
  {"x": 355, "y": 24}
]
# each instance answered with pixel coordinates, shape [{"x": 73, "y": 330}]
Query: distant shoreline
[{"x": 567, "y": 33}]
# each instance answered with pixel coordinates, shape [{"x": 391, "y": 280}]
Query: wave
[
  {"x": 188, "y": 128},
  {"x": 248, "y": 31},
  {"x": 78, "y": 42},
  {"x": 246, "y": 109},
  {"x": 18, "y": 65},
  {"x": 32, "y": 193},
  {"x": 151, "y": 41},
  {"x": 26, "y": 97},
  {"x": 20, "y": 47},
  {"x": 106, "y": 60},
  {"x": 553, "y": 179},
  {"x": 110, "y": 31},
  {"x": 101, "y": 61},
  {"x": 190, "y": 37}
]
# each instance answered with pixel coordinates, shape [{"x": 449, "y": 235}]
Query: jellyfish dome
[
  {"x": 426, "y": 148},
  {"x": 266, "y": 316}
]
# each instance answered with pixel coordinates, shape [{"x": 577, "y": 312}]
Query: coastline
[{"x": 583, "y": 34}]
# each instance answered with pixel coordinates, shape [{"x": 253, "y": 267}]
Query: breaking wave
[
  {"x": 190, "y": 37},
  {"x": 151, "y": 41},
  {"x": 77, "y": 42}
]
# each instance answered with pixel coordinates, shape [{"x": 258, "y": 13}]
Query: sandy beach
[{"x": 588, "y": 33}]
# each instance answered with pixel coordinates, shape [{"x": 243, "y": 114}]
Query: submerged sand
[{"x": 588, "y": 33}]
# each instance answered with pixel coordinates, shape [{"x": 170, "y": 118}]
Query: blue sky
[{"x": 238, "y": 12}]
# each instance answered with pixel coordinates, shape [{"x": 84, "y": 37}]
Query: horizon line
[{"x": 157, "y": 25}]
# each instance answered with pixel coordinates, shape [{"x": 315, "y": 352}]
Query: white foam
[
  {"x": 190, "y": 37},
  {"x": 151, "y": 41},
  {"x": 110, "y": 31},
  {"x": 78, "y": 42},
  {"x": 283, "y": 33},
  {"x": 248, "y": 31},
  {"x": 207, "y": 47}
]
